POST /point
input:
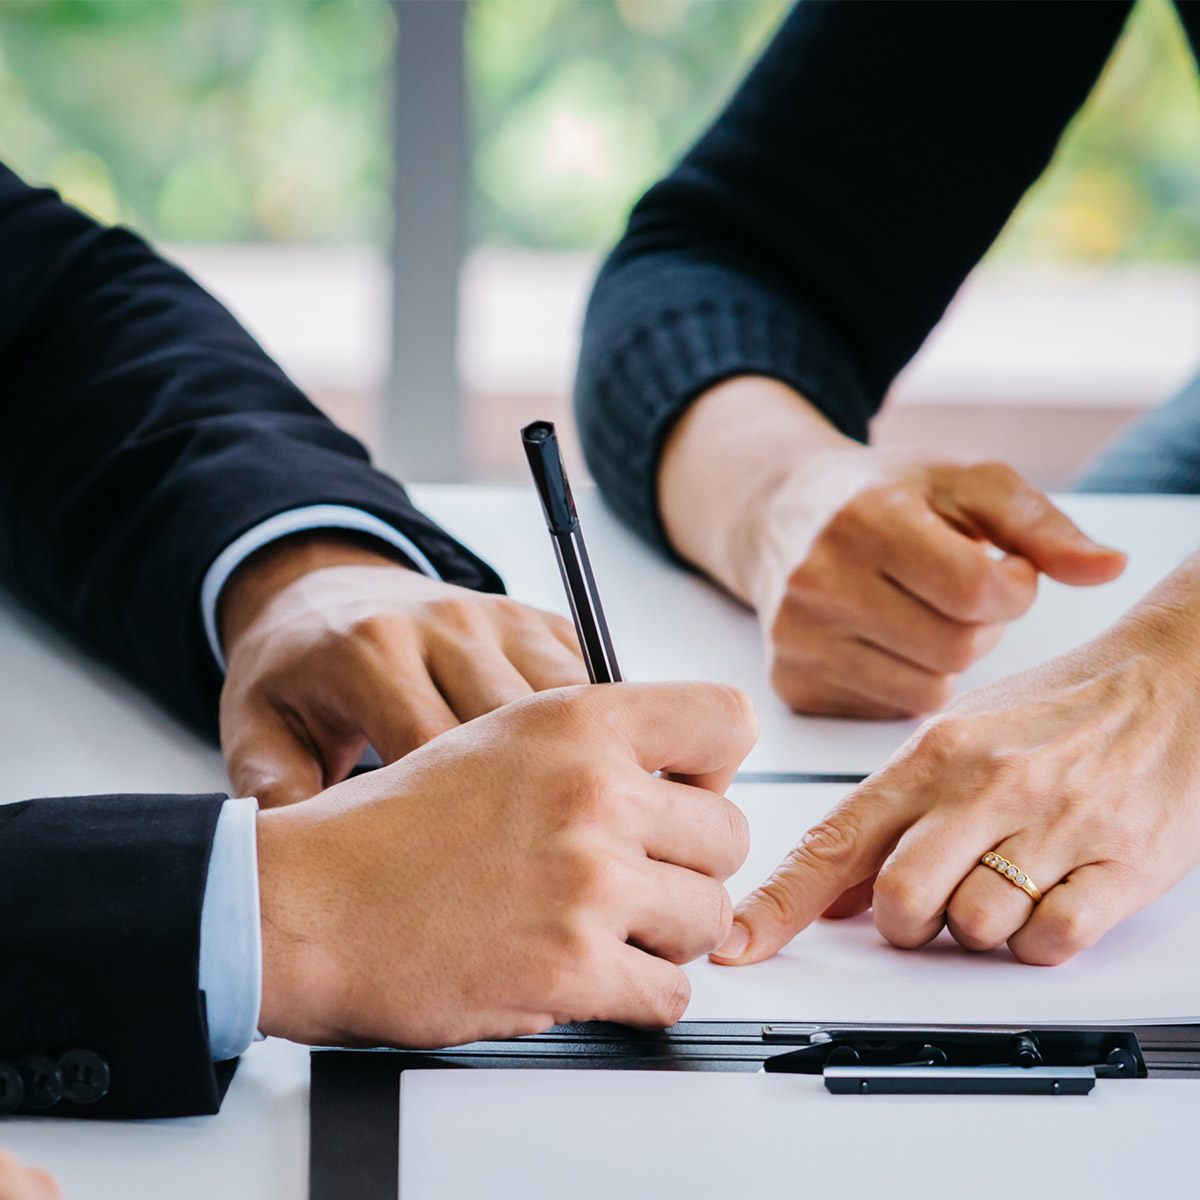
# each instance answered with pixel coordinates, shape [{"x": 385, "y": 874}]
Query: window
[{"x": 255, "y": 139}]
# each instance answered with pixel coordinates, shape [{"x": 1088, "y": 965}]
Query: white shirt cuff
[
  {"x": 231, "y": 933},
  {"x": 296, "y": 520}
]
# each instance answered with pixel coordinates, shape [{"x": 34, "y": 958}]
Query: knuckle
[
  {"x": 1010, "y": 772},
  {"x": 564, "y": 630},
  {"x": 738, "y": 711},
  {"x": 931, "y": 694},
  {"x": 796, "y": 688},
  {"x": 1030, "y": 508},
  {"x": 588, "y": 794},
  {"x": 967, "y": 588},
  {"x": 744, "y": 709},
  {"x": 805, "y": 581},
  {"x": 997, "y": 472},
  {"x": 370, "y": 633},
  {"x": 715, "y": 918},
  {"x": 270, "y": 791},
  {"x": 817, "y": 602},
  {"x": 901, "y": 894},
  {"x": 739, "y": 832},
  {"x": 960, "y": 649},
  {"x": 1112, "y": 839},
  {"x": 977, "y": 927},
  {"x": 1006, "y": 782},
  {"x": 530, "y": 626},
  {"x": 557, "y": 975},
  {"x": 945, "y": 742},
  {"x": 854, "y": 519},
  {"x": 424, "y": 727},
  {"x": 563, "y": 625},
  {"x": 670, "y": 1005},
  {"x": 459, "y": 613},
  {"x": 508, "y": 608},
  {"x": 724, "y": 916},
  {"x": 564, "y": 713},
  {"x": 831, "y": 844},
  {"x": 894, "y": 498},
  {"x": 1067, "y": 931},
  {"x": 585, "y": 878},
  {"x": 728, "y": 701}
]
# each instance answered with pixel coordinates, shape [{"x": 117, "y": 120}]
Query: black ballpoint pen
[{"x": 545, "y": 461}]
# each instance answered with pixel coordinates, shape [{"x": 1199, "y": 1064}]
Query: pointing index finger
[{"x": 837, "y": 854}]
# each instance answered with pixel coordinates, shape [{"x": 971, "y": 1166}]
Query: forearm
[
  {"x": 724, "y": 459},
  {"x": 144, "y": 432},
  {"x": 816, "y": 233}
]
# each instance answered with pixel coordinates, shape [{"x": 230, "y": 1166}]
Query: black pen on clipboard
[{"x": 545, "y": 461}]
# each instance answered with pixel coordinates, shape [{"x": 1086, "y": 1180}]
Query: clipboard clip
[{"x": 892, "y": 1059}]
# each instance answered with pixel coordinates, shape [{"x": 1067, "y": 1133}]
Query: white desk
[
  {"x": 68, "y": 727},
  {"x": 668, "y": 624}
]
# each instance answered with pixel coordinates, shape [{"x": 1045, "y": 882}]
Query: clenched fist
[{"x": 878, "y": 576}]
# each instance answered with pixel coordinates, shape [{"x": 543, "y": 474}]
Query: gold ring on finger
[{"x": 1012, "y": 873}]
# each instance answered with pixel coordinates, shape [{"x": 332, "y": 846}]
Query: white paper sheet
[
  {"x": 596, "y": 1135},
  {"x": 1146, "y": 970}
]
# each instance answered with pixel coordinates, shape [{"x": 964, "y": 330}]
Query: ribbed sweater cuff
[{"x": 628, "y": 402}]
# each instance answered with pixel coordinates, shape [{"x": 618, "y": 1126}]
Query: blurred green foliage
[
  {"x": 1125, "y": 184},
  {"x": 204, "y": 120},
  {"x": 578, "y": 105},
  {"x": 228, "y": 120}
]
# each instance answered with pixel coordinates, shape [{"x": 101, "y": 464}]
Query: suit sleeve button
[
  {"x": 12, "y": 1090},
  {"x": 85, "y": 1076},
  {"x": 43, "y": 1083}
]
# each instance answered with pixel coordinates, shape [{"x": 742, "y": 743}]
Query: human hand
[
  {"x": 873, "y": 572},
  {"x": 521, "y": 871},
  {"x": 877, "y": 584},
  {"x": 1084, "y": 773},
  {"x": 18, "y": 1182},
  {"x": 333, "y": 646}
]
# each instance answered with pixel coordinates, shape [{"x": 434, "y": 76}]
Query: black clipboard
[{"x": 354, "y": 1102}]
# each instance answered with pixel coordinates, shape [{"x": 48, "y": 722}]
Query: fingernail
[{"x": 736, "y": 944}]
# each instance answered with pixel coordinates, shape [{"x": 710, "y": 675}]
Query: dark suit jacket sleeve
[
  {"x": 101, "y": 899},
  {"x": 820, "y": 227},
  {"x": 141, "y": 431}
]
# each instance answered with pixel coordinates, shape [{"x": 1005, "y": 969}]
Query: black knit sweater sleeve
[{"x": 817, "y": 231}]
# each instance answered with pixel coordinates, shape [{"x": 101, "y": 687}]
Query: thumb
[
  {"x": 268, "y": 760},
  {"x": 837, "y": 854},
  {"x": 994, "y": 501}
]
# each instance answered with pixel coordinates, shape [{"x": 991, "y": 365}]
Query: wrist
[
  {"x": 725, "y": 461},
  {"x": 1165, "y": 625},
  {"x": 267, "y": 572},
  {"x": 789, "y": 511},
  {"x": 300, "y": 977}
]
